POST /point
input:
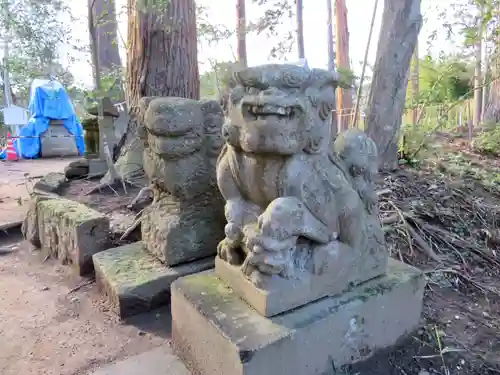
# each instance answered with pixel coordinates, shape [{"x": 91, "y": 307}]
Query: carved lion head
[{"x": 280, "y": 109}]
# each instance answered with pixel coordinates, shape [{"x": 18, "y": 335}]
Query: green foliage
[
  {"x": 214, "y": 83},
  {"x": 444, "y": 80},
  {"x": 34, "y": 29},
  {"x": 488, "y": 141},
  {"x": 274, "y": 14},
  {"x": 347, "y": 78}
]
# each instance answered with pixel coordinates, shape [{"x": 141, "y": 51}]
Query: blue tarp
[{"x": 49, "y": 101}]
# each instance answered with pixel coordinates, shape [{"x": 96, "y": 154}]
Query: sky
[{"x": 258, "y": 47}]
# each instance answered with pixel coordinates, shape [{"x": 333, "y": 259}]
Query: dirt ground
[
  {"x": 15, "y": 181},
  {"x": 53, "y": 323}
]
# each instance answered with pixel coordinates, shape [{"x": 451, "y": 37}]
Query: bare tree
[
  {"x": 478, "y": 82},
  {"x": 401, "y": 24},
  {"x": 344, "y": 96},
  {"x": 241, "y": 32},
  {"x": 105, "y": 27},
  {"x": 331, "y": 44},
  {"x": 300, "y": 29}
]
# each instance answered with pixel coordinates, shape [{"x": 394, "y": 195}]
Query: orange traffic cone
[{"x": 11, "y": 151}]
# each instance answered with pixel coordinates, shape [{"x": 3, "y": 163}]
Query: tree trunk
[
  {"x": 401, "y": 24},
  {"x": 241, "y": 32},
  {"x": 162, "y": 61},
  {"x": 344, "y": 96},
  {"x": 491, "y": 114},
  {"x": 415, "y": 85},
  {"x": 478, "y": 92},
  {"x": 331, "y": 46},
  {"x": 105, "y": 26},
  {"x": 331, "y": 59},
  {"x": 300, "y": 29}
]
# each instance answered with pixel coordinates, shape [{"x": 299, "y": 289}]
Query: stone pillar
[
  {"x": 303, "y": 283},
  {"x": 98, "y": 166}
]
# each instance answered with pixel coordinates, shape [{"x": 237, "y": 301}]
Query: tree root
[
  {"x": 146, "y": 191},
  {"x": 135, "y": 224},
  {"x": 130, "y": 229},
  {"x": 109, "y": 185}
]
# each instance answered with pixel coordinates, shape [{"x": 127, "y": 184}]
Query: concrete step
[{"x": 159, "y": 361}]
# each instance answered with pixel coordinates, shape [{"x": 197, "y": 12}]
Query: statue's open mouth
[{"x": 254, "y": 111}]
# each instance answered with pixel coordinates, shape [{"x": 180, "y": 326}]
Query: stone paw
[{"x": 228, "y": 252}]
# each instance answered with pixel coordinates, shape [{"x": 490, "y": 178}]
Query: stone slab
[
  {"x": 71, "y": 232},
  {"x": 159, "y": 361},
  {"x": 135, "y": 281},
  {"x": 51, "y": 183},
  {"x": 216, "y": 333},
  {"x": 338, "y": 270}
]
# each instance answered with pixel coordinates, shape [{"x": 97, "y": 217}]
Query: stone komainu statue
[
  {"x": 297, "y": 205},
  {"x": 183, "y": 139}
]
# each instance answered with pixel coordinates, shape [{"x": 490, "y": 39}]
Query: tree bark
[
  {"x": 241, "y": 32},
  {"x": 331, "y": 44},
  {"x": 105, "y": 26},
  {"x": 331, "y": 61},
  {"x": 415, "y": 84},
  {"x": 162, "y": 61},
  {"x": 478, "y": 92},
  {"x": 401, "y": 24},
  {"x": 491, "y": 115},
  {"x": 300, "y": 29},
  {"x": 344, "y": 96}
]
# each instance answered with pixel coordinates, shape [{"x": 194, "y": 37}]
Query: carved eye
[{"x": 252, "y": 90}]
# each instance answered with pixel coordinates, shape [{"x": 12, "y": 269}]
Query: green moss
[
  {"x": 130, "y": 265},
  {"x": 71, "y": 210},
  {"x": 211, "y": 286}
]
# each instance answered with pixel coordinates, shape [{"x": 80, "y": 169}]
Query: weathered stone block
[
  {"x": 341, "y": 270},
  {"x": 135, "y": 281},
  {"x": 217, "y": 333},
  {"x": 29, "y": 227},
  {"x": 183, "y": 139},
  {"x": 51, "y": 183},
  {"x": 180, "y": 231},
  {"x": 77, "y": 168},
  {"x": 71, "y": 232}
]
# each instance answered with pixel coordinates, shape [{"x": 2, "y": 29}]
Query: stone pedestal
[
  {"x": 99, "y": 133},
  {"x": 134, "y": 281},
  {"x": 216, "y": 333}
]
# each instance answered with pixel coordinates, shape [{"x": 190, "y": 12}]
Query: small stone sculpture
[
  {"x": 297, "y": 205},
  {"x": 183, "y": 139}
]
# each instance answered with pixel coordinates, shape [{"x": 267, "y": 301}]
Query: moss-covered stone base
[
  {"x": 68, "y": 231},
  {"x": 134, "y": 281},
  {"x": 217, "y": 333}
]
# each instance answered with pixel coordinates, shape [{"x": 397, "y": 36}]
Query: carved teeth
[
  {"x": 270, "y": 109},
  {"x": 281, "y": 111}
]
